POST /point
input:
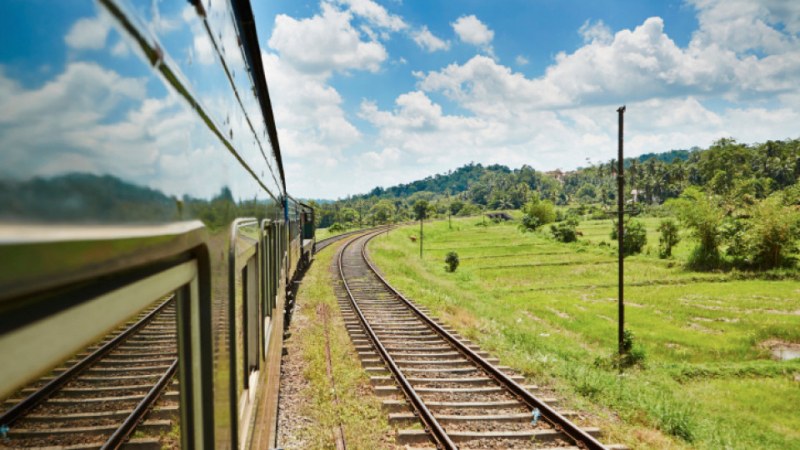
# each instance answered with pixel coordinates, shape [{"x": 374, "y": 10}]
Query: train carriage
[{"x": 140, "y": 161}]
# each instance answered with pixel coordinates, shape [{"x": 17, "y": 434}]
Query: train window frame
[
  {"x": 88, "y": 281},
  {"x": 243, "y": 259}
]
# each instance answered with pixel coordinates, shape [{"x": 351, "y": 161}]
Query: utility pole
[
  {"x": 620, "y": 232},
  {"x": 420, "y": 236}
]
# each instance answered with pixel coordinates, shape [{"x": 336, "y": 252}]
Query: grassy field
[
  {"x": 550, "y": 310},
  {"x": 343, "y": 397}
]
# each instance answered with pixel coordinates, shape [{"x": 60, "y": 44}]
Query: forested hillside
[{"x": 738, "y": 173}]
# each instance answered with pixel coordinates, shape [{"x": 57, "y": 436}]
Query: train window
[
  {"x": 153, "y": 307},
  {"x": 245, "y": 311},
  {"x": 251, "y": 319}
]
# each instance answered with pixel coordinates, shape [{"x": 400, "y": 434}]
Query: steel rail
[
  {"x": 433, "y": 426},
  {"x": 123, "y": 432},
  {"x": 330, "y": 240},
  {"x": 20, "y": 409},
  {"x": 561, "y": 423}
]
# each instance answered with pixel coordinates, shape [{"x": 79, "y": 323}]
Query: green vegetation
[
  {"x": 566, "y": 231},
  {"x": 335, "y": 399},
  {"x": 536, "y": 213},
  {"x": 452, "y": 261},
  {"x": 700, "y": 373},
  {"x": 669, "y": 237},
  {"x": 736, "y": 174},
  {"x": 635, "y": 238}
]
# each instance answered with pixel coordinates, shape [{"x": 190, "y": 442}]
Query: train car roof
[{"x": 252, "y": 51}]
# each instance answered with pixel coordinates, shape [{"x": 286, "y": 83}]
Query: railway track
[
  {"x": 429, "y": 376},
  {"x": 321, "y": 244},
  {"x": 102, "y": 395}
]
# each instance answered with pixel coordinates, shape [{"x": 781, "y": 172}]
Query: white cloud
[
  {"x": 427, "y": 41},
  {"x": 568, "y": 114},
  {"x": 100, "y": 122},
  {"x": 472, "y": 31},
  {"x": 88, "y": 33},
  {"x": 554, "y": 120},
  {"x": 595, "y": 32},
  {"x": 375, "y": 14},
  {"x": 120, "y": 49},
  {"x": 203, "y": 49},
  {"x": 741, "y": 25},
  {"x": 382, "y": 159},
  {"x": 635, "y": 65},
  {"x": 325, "y": 43}
]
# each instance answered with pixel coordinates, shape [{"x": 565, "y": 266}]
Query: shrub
[
  {"x": 632, "y": 355},
  {"x": 565, "y": 231},
  {"x": 702, "y": 214},
  {"x": 452, "y": 261},
  {"x": 774, "y": 230},
  {"x": 336, "y": 227},
  {"x": 668, "y": 239},
  {"x": 635, "y": 238},
  {"x": 537, "y": 213}
]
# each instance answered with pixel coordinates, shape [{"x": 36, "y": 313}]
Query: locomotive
[{"x": 140, "y": 159}]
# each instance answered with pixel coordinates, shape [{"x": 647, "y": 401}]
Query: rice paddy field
[{"x": 712, "y": 374}]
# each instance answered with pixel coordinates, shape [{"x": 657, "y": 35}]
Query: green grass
[
  {"x": 550, "y": 310},
  {"x": 348, "y": 402}
]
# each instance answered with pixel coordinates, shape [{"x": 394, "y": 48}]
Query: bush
[
  {"x": 702, "y": 214},
  {"x": 529, "y": 223},
  {"x": 452, "y": 261},
  {"x": 336, "y": 227},
  {"x": 668, "y": 239},
  {"x": 774, "y": 230},
  {"x": 632, "y": 355},
  {"x": 565, "y": 231},
  {"x": 635, "y": 238},
  {"x": 537, "y": 213}
]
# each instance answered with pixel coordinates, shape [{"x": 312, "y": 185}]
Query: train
[{"x": 140, "y": 159}]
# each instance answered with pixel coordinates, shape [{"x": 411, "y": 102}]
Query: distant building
[{"x": 557, "y": 174}]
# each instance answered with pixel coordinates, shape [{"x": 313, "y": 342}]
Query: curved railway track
[
  {"x": 432, "y": 377},
  {"x": 321, "y": 244},
  {"x": 101, "y": 396}
]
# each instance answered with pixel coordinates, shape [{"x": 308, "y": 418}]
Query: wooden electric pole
[{"x": 621, "y": 232}]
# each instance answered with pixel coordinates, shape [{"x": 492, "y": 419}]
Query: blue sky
[{"x": 379, "y": 92}]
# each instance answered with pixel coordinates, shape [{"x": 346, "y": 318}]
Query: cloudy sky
[{"x": 378, "y": 92}]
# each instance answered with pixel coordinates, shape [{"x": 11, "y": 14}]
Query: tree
[
  {"x": 421, "y": 212},
  {"x": 775, "y": 229},
  {"x": 669, "y": 237},
  {"x": 382, "y": 211},
  {"x": 701, "y": 213},
  {"x": 347, "y": 216},
  {"x": 566, "y": 231},
  {"x": 421, "y": 209},
  {"x": 586, "y": 193},
  {"x": 537, "y": 213},
  {"x": 452, "y": 261},
  {"x": 635, "y": 237}
]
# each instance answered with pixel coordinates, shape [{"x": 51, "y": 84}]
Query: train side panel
[{"x": 148, "y": 146}]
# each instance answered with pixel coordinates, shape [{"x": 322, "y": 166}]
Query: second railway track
[
  {"x": 431, "y": 377},
  {"x": 102, "y": 395}
]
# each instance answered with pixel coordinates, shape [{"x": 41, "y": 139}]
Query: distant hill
[
  {"x": 459, "y": 180},
  {"x": 667, "y": 157},
  {"x": 452, "y": 182}
]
